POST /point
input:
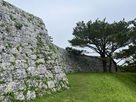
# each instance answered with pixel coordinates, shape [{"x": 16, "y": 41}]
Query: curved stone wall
[
  {"x": 81, "y": 63},
  {"x": 29, "y": 64}
]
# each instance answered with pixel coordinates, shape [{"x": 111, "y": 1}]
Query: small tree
[{"x": 102, "y": 37}]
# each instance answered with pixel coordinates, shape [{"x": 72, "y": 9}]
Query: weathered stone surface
[
  {"x": 6, "y": 76},
  {"x": 2, "y": 88},
  {"x": 42, "y": 69},
  {"x": 72, "y": 63},
  {"x": 7, "y": 66},
  {"x": 33, "y": 57},
  {"x": 20, "y": 64},
  {"x": 51, "y": 84},
  {"x": 20, "y": 96},
  {"x": 29, "y": 65},
  {"x": 20, "y": 74},
  {"x": 57, "y": 69},
  {"x": 30, "y": 95},
  {"x": 11, "y": 87}
]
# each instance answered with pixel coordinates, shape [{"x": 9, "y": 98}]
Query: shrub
[
  {"x": 18, "y": 25},
  {"x": 74, "y": 51},
  {"x": 128, "y": 68}
]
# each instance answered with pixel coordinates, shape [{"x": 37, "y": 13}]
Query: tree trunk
[
  {"x": 116, "y": 67},
  {"x": 104, "y": 62},
  {"x": 111, "y": 61},
  {"x": 110, "y": 65},
  {"x": 104, "y": 65}
]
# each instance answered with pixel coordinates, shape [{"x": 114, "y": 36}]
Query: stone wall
[
  {"x": 72, "y": 63},
  {"x": 29, "y": 64}
]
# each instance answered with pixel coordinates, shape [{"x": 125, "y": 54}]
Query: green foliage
[
  {"x": 12, "y": 96},
  {"x": 40, "y": 42},
  {"x": 18, "y": 25},
  {"x": 26, "y": 54},
  {"x": 27, "y": 62},
  {"x": 129, "y": 54},
  {"x": 41, "y": 23},
  {"x": 15, "y": 55},
  {"x": 2, "y": 82},
  {"x": 5, "y": 4},
  {"x": 32, "y": 88},
  {"x": 19, "y": 46},
  {"x": 40, "y": 33},
  {"x": 2, "y": 25},
  {"x": 13, "y": 63},
  {"x": 74, "y": 51},
  {"x": 30, "y": 18},
  {"x": 96, "y": 87},
  {"x": 27, "y": 85},
  {"x": 29, "y": 77},
  {"x": 128, "y": 68},
  {"x": 7, "y": 29},
  {"x": 38, "y": 63},
  {"x": 3, "y": 38},
  {"x": 52, "y": 47},
  {"x": 25, "y": 92},
  {"x": 13, "y": 78},
  {"x": 102, "y": 37},
  {"x": 45, "y": 56},
  {"x": 9, "y": 45},
  {"x": 32, "y": 49},
  {"x": 38, "y": 91},
  {"x": 14, "y": 68},
  {"x": 1, "y": 70},
  {"x": 12, "y": 17}
]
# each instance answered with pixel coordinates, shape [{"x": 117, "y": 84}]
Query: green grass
[{"x": 96, "y": 87}]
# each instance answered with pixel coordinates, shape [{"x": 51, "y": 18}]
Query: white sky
[{"x": 61, "y": 16}]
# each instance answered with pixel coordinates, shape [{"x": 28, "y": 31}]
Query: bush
[
  {"x": 74, "y": 51},
  {"x": 128, "y": 68}
]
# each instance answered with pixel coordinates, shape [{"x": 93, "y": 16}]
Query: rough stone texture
[
  {"x": 73, "y": 63},
  {"x": 29, "y": 64}
]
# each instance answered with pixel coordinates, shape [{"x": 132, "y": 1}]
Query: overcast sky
[{"x": 61, "y": 16}]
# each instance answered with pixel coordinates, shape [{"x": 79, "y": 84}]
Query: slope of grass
[{"x": 96, "y": 87}]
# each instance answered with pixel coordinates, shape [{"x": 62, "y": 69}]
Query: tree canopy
[
  {"x": 129, "y": 54},
  {"x": 102, "y": 37}
]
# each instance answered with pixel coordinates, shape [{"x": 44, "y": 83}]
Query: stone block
[
  {"x": 20, "y": 74},
  {"x": 30, "y": 95},
  {"x": 19, "y": 96},
  {"x": 51, "y": 84}
]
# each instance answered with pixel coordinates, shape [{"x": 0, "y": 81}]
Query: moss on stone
[{"x": 18, "y": 25}]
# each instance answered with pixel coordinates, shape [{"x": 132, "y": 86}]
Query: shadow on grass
[{"x": 128, "y": 79}]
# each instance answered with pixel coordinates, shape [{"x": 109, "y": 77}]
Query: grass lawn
[{"x": 96, "y": 87}]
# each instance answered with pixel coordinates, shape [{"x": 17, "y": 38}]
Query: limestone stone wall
[
  {"x": 29, "y": 64},
  {"x": 73, "y": 63}
]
